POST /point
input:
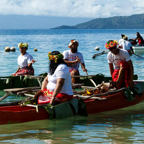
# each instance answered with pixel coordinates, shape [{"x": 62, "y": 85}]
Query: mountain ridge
[{"x": 117, "y": 22}]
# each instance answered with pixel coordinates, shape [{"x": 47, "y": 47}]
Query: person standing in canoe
[
  {"x": 25, "y": 61},
  {"x": 126, "y": 45},
  {"x": 120, "y": 64},
  {"x": 56, "y": 87},
  {"x": 74, "y": 58}
]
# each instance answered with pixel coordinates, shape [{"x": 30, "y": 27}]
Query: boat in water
[
  {"x": 138, "y": 49},
  {"x": 16, "y": 112}
]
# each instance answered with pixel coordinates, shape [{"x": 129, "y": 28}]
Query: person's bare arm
[
  {"x": 131, "y": 69},
  {"x": 83, "y": 67},
  {"x": 70, "y": 63},
  {"x": 111, "y": 68},
  {"x": 44, "y": 83},
  {"x": 30, "y": 64}
]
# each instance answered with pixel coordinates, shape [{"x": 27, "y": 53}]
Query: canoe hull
[
  {"x": 113, "y": 101},
  {"x": 18, "y": 114},
  {"x": 138, "y": 49}
]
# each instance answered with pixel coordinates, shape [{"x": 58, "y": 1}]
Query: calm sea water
[{"x": 110, "y": 128}]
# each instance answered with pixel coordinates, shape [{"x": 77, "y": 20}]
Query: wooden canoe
[
  {"x": 15, "y": 113},
  {"x": 34, "y": 81}
]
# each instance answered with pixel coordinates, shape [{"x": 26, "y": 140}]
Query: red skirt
[
  {"x": 46, "y": 96},
  {"x": 24, "y": 71},
  {"x": 125, "y": 81}
]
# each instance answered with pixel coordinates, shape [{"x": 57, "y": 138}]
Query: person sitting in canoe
[
  {"x": 73, "y": 58},
  {"x": 139, "y": 39},
  {"x": 120, "y": 64},
  {"x": 126, "y": 45},
  {"x": 56, "y": 87},
  {"x": 25, "y": 61}
]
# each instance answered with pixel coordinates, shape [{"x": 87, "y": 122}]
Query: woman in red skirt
[
  {"x": 56, "y": 87},
  {"x": 25, "y": 61},
  {"x": 120, "y": 64}
]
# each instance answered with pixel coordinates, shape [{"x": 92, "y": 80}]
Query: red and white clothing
[
  {"x": 118, "y": 60},
  {"x": 24, "y": 71},
  {"x": 24, "y": 60},
  {"x": 71, "y": 57},
  {"x": 66, "y": 93},
  {"x": 62, "y": 71}
]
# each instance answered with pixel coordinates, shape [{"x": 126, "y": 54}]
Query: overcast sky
[
  {"x": 72, "y": 8},
  {"x": 43, "y": 14}
]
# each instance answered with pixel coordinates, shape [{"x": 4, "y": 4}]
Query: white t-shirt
[
  {"x": 24, "y": 60},
  {"x": 121, "y": 41},
  {"x": 62, "y": 71},
  {"x": 125, "y": 45},
  {"x": 72, "y": 56},
  {"x": 116, "y": 59}
]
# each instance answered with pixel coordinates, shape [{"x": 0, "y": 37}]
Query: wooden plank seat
[{"x": 15, "y": 90}]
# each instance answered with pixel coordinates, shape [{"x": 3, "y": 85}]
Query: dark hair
[
  {"x": 122, "y": 35},
  {"x": 53, "y": 65}
]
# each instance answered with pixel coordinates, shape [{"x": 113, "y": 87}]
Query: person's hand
[
  {"x": 33, "y": 61},
  {"x": 77, "y": 59},
  {"x": 84, "y": 69}
]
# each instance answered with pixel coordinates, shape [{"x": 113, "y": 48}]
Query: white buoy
[
  {"x": 13, "y": 49},
  {"x": 7, "y": 49},
  {"x": 97, "y": 48}
]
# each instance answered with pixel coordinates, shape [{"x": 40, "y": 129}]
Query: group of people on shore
[{"x": 57, "y": 86}]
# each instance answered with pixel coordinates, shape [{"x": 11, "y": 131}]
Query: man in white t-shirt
[
  {"x": 74, "y": 58},
  {"x": 120, "y": 64},
  {"x": 126, "y": 45}
]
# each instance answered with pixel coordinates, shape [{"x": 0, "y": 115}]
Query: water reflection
[{"x": 116, "y": 128}]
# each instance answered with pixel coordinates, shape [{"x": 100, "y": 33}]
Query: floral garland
[
  {"x": 55, "y": 57},
  {"x": 23, "y": 45},
  {"x": 111, "y": 43}
]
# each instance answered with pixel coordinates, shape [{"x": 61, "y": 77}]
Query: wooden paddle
[
  {"x": 90, "y": 97},
  {"x": 5, "y": 96},
  {"x": 15, "y": 90},
  {"x": 138, "y": 56},
  {"x": 91, "y": 80},
  {"x": 98, "y": 54}
]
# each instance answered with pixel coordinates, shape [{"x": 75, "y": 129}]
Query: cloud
[{"x": 72, "y": 8}]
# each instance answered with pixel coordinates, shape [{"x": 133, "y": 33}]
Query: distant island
[{"x": 116, "y": 22}]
